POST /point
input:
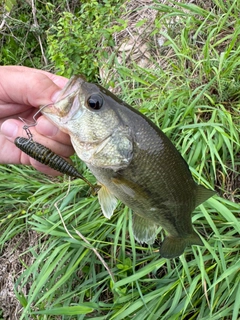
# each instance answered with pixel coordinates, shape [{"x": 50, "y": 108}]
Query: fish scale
[
  {"x": 133, "y": 161},
  {"x": 152, "y": 180}
]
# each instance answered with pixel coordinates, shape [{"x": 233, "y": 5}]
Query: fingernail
[{"x": 9, "y": 129}]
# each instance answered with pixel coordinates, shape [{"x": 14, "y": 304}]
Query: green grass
[{"x": 86, "y": 267}]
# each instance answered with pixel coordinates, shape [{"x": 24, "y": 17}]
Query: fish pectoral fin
[
  {"x": 107, "y": 201},
  {"x": 144, "y": 230},
  {"x": 129, "y": 187},
  {"x": 126, "y": 186},
  {"x": 203, "y": 194},
  {"x": 173, "y": 247}
]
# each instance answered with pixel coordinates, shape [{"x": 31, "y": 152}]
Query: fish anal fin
[
  {"x": 173, "y": 247},
  {"x": 203, "y": 194},
  {"x": 107, "y": 201},
  {"x": 144, "y": 230}
]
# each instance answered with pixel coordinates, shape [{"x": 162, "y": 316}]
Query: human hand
[{"x": 22, "y": 91}]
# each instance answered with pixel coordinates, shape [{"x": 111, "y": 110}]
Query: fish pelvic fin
[
  {"x": 107, "y": 201},
  {"x": 173, "y": 247},
  {"x": 203, "y": 194},
  {"x": 144, "y": 230}
]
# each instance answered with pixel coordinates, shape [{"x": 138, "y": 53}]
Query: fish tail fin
[{"x": 173, "y": 247}]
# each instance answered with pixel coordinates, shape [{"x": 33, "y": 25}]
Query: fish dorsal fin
[
  {"x": 203, "y": 194},
  {"x": 107, "y": 201},
  {"x": 144, "y": 230}
]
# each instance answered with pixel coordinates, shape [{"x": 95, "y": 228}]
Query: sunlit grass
[{"x": 194, "y": 98}]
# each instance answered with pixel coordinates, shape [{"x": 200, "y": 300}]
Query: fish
[
  {"x": 46, "y": 156},
  {"x": 133, "y": 161}
]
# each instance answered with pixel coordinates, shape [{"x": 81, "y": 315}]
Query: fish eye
[{"x": 95, "y": 102}]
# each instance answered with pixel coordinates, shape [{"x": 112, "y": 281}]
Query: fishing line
[
  {"x": 46, "y": 156},
  {"x": 33, "y": 124}
]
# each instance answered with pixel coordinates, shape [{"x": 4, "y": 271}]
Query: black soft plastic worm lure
[{"x": 46, "y": 156}]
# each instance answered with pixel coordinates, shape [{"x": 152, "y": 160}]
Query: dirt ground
[{"x": 13, "y": 258}]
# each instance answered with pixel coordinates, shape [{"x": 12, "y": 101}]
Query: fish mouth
[{"x": 67, "y": 105}]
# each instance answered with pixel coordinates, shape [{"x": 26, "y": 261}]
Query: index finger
[{"x": 27, "y": 86}]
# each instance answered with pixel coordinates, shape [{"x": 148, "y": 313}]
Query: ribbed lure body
[{"x": 46, "y": 156}]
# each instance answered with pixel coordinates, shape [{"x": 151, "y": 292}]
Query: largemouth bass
[{"x": 133, "y": 161}]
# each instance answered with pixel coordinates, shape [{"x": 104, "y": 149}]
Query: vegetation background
[{"x": 178, "y": 63}]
